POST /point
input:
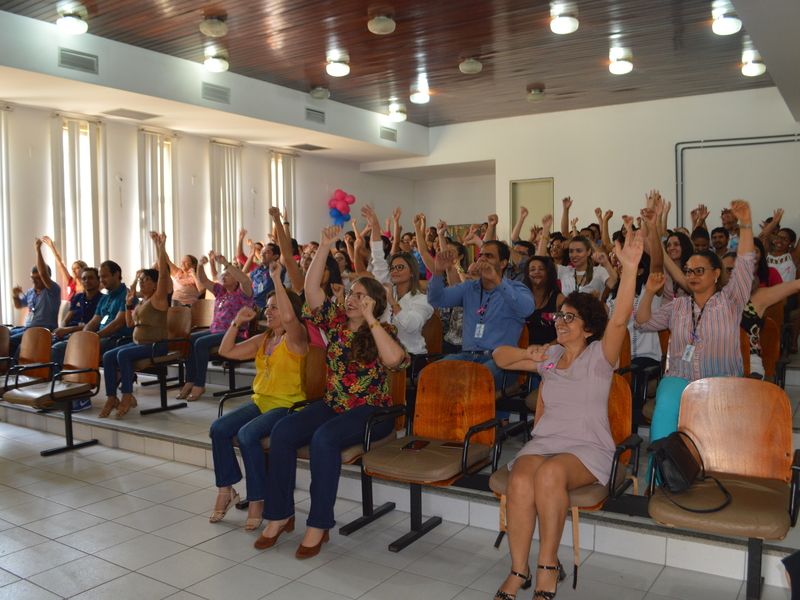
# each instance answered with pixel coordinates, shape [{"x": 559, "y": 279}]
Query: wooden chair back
[
  {"x": 770, "y": 346},
  {"x": 775, "y": 312},
  {"x": 625, "y": 356},
  {"x": 741, "y": 426},
  {"x": 432, "y": 332},
  {"x": 83, "y": 352},
  {"x": 202, "y": 313},
  {"x": 523, "y": 343},
  {"x": 452, "y": 396},
  {"x": 397, "y": 390},
  {"x": 5, "y": 347},
  {"x": 663, "y": 339},
  {"x": 179, "y": 324},
  {"x": 315, "y": 375},
  {"x": 35, "y": 348},
  {"x": 744, "y": 347}
]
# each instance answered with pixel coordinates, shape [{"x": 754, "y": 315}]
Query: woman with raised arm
[
  {"x": 582, "y": 275},
  {"x": 231, "y": 294},
  {"x": 186, "y": 288},
  {"x": 361, "y": 351},
  {"x": 73, "y": 279},
  {"x": 149, "y": 323},
  {"x": 572, "y": 444},
  {"x": 704, "y": 327},
  {"x": 280, "y": 355}
]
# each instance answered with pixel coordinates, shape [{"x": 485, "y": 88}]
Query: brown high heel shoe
[
  {"x": 111, "y": 403},
  {"x": 309, "y": 551},
  {"x": 263, "y": 542},
  {"x": 125, "y": 406}
]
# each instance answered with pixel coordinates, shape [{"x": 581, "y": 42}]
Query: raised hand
[
  {"x": 275, "y": 269},
  {"x": 221, "y": 259},
  {"x": 598, "y": 212},
  {"x": 338, "y": 291},
  {"x": 631, "y": 254},
  {"x": 573, "y": 222},
  {"x": 37, "y": 244},
  {"x": 369, "y": 214},
  {"x": 441, "y": 228},
  {"x": 389, "y": 292},
  {"x": 212, "y": 256},
  {"x": 547, "y": 222},
  {"x": 566, "y": 203},
  {"x": 777, "y": 215},
  {"x": 442, "y": 261},
  {"x": 367, "y": 307},
  {"x": 154, "y": 237},
  {"x": 649, "y": 216},
  {"x": 418, "y": 221},
  {"x": 523, "y": 212},
  {"x": 741, "y": 210},
  {"x": 472, "y": 238},
  {"x": 535, "y": 231},
  {"x": 607, "y": 216},
  {"x": 274, "y": 212},
  {"x": 329, "y": 235},
  {"x": 245, "y": 315},
  {"x": 388, "y": 224},
  {"x": 702, "y": 212},
  {"x": 655, "y": 282},
  {"x": 243, "y": 232},
  {"x": 203, "y": 260},
  {"x": 493, "y": 220},
  {"x": 50, "y": 243},
  {"x": 17, "y": 291},
  {"x": 396, "y": 213},
  {"x": 537, "y": 353},
  {"x": 602, "y": 258}
]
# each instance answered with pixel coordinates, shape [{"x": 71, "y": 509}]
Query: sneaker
[{"x": 83, "y": 404}]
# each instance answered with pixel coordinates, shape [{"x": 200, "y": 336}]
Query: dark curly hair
[
  {"x": 716, "y": 264},
  {"x": 591, "y": 311},
  {"x": 364, "y": 348}
]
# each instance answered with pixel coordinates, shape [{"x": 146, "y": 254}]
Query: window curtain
[
  {"x": 226, "y": 197},
  {"x": 6, "y": 284},
  {"x": 282, "y": 182},
  {"x": 156, "y": 193}
]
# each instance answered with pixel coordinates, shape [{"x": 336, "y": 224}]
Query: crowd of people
[{"x": 365, "y": 295}]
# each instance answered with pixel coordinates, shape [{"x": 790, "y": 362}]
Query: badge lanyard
[
  {"x": 482, "y": 311},
  {"x": 688, "y": 353}
]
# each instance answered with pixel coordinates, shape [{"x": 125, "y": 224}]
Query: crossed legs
[{"x": 538, "y": 488}]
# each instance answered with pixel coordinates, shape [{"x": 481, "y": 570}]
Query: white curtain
[
  {"x": 78, "y": 164},
  {"x": 226, "y": 197},
  {"x": 282, "y": 183},
  {"x": 156, "y": 197},
  {"x": 6, "y": 304}
]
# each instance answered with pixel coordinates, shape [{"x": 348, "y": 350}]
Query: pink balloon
[
  {"x": 339, "y": 195},
  {"x": 345, "y": 210},
  {"x": 342, "y": 206},
  {"x": 350, "y": 199},
  {"x": 332, "y": 203}
]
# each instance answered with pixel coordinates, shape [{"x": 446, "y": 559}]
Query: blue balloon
[
  {"x": 335, "y": 213},
  {"x": 345, "y": 218}
]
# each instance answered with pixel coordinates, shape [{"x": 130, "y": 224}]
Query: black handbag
[{"x": 677, "y": 469}]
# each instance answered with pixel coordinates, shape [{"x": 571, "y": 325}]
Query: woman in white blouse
[{"x": 582, "y": 275}]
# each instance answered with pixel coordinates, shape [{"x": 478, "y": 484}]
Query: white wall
[{"x": 457, "y": 200}]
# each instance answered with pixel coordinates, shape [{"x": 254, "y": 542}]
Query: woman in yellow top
[{"x": 280, "y": 355}]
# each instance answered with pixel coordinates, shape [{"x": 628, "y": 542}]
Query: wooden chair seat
[
  {"x": 12, "y": 382},
  {"x": 43, "y": 394}
]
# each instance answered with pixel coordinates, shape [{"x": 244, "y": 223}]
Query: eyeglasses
[
  {"x": 729, "y": 270},
  {"x": 783, "y": 238},
  {"x": 143, "y": 279},
  {"x": 397, "y": 268},
  {"x": 357, "y": 295},
  {"x": 698, "y": 271},
  {"x": 568, "y": 317}
]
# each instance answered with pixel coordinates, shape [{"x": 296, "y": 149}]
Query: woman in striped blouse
[{"x": 704, "y": 327}]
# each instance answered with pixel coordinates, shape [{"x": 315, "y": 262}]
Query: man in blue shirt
[
  {"x": 262, "y": 282},
  {"x": 82, "y": 306},
  {"x": 495, "y": 308},
  {"x": 43, "y": 300}
]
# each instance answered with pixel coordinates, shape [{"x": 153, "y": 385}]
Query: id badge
[
  {"x": 688, "y": 353},
  {"x": 479, "y": 330},
  {"x": 105, "y": 319},
  {"x": 260, "y": 287}
]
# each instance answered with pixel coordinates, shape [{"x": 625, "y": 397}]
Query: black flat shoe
[
  {"x": 501, "y": 595},
  {"x": 561, "y": 577}
]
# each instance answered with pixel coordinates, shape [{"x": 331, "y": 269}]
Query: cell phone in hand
[{"x": 416, "y": 445}]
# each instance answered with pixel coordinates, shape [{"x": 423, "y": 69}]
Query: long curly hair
[{"x": 364, "y": 348}]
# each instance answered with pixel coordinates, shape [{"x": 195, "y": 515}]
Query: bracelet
[
  {"x": 129, "y": 306},
  {"x": 375, "y": 324},
  {"x": 745, "y": 226},
  {"x": 234, "y": 324}
]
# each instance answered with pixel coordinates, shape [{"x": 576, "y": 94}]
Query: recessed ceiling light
[
  {"x": 381, "y": 25},
  {"x": 72, "y": 24},
  {"x": 320, "y": 93},
  {"x": 397, "y": 113},
  {"x": 563, "y": 24},
  {"x": 536, "y": 95},
  {"x": 470, "y": 66},
  {"x": 726, "y": 25},
  {"x": 620, "y": 61},
  {"x": 753, "y": 65},
  {"x": 216, "y": 64},
  {"x": 213, "y": 27}
]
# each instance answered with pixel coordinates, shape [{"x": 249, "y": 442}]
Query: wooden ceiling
[{"x": 285, "y": 42}]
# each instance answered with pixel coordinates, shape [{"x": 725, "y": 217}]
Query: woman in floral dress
[{"x": 361, "y": 351}]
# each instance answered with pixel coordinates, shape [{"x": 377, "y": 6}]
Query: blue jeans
[
  {"x": 250, "y": 425},
  {"x": 197, "y": 365},
  {"x": 327, "y": 433},
  {"x": 487, "y": 361},
  {"x": 15, "y": 339},
  {"x": 121, "y": 359}
]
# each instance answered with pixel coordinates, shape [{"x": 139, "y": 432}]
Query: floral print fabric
[{"x": 226, "y": 307}]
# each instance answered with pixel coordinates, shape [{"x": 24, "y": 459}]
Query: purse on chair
[{"x": 678, "y": 469}]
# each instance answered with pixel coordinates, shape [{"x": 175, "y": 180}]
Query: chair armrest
[
  {"x": 117, "y": 340},
  {"x": 416, "y": 369},
  {"x": 486, "y": 425},
  {"x": 632, "y": 443},
  {"x": 381, "y": 415},
  {"x": 17, "y": 369},
  {"x": 794, "y": 496},
  {"x": 780, "y": 372},
  {"x": 303, "y": 403},
  {"x": 631, "y": 368},
  {"x": 60, "y": 375},
  {"x": 232, "y": 395}
]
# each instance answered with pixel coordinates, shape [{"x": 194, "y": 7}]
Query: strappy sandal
[
  {"x": 218, "y": 515},
  {"x": 252, "y": 523},
  {"x": 501, "y": 595},
  {"x": 110, "y": 405},
  {"x": 125, "y": 407},
  {"x": 561, "y": 577}
]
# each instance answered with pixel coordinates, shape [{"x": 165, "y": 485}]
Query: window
[
  {"x": 156, "y": 194},
  {"x": 6, "y": 304},
  {"x": 282, "y": 183},
  {"x": 226, "y": 197}
]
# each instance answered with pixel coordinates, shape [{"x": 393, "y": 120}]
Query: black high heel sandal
[
  {"x": 561, "y": 577},
  {"x": 501, "y": 595}
]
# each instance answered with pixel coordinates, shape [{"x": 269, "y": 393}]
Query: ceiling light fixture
[
  {"x": 216, "y": 64},
  {"x": 72, "y": 24},
  {"x": 420, "y": 90},
  {"x": 753, "y": 65},
  {"x": 536, "y": 94},
  {"x": 563, "y": 18},
  {"x": 381, "y": 25},
  {"x": 725, "y": 20},
  {"x": 213, "y": 27},
  {"x": 320, "y": 93},
  {"x": 338, "y": 64},
  {"x": 397, "y": 113},
  {"x": 620, "y": 61},
  {"x": 470, "y": 66}
]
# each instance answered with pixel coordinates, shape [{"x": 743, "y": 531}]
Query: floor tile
[
  {"x": 680, "y": 583},
  {"x": 235, "y": 545},
  {"x": 240, "y": 582},
  {"x": 33, "y": 510},
  {"x": 624, "y": 572},
  {"x": 153, "y": 518},
  {"x": 132, "y": 586},
  {"x": 13, "y": 540},
  {"x": 163, "y": 491},
  {"x": 101, "y": 473},
  {"x": 186, "y": 568},
  {"x": 183, "y": 595},
  {"x": 171, "y": 470},
  {"x": 281, "y": 560},
  {"x": 300, "y": 591},
  {"x": 140, "y": 462},
  {"x": 454, "y": 566},
  {"x": 768, "y": 592},
  {"x": 116, "y": 507},
  {"x": 424, "y": 588},
  {"x": 39, "y": 558},
  {"x": 376, "y": 550},
  {"x": 348, "y": 576},
  {"x": 597, "y": 590},
  {"x": 6, "y": 578},
  {"x": 194, "y": 531},
  {"x": 28, "y": 476},
  {"x": 140, "y": 551},
  {"x": 53, "y": 486},
  {"x": 99, "y": 537},
  {"x": 478, "y": 540},
  {"x": 199, "y": 502},
  {"x": 88, "y": 494},
  {"x": 78, "y": 576},
  {"x": 24, "y": 590},
  {"x": 133, "y": 481},
  {"x": 202, "y": 478}
]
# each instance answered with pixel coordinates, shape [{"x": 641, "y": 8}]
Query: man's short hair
[
  {"x": 93, "y": 270},
  {"x": 276, "y": 250},
  {"x": 526, "y": 244},
  {"x": 113, "y": 267},
  {"x": 35, "y": 269},
  {"x": 721, "y": 230},
  {"x": 700, "y": 233},
  {"x": 503, "y": 253}
]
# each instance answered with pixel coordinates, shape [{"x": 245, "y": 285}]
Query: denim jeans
[
  {"x": 327, "y": 433},
  {"x": 59, "y": 349},
  {"x": 197, "y": 365},
  {"x": 121, "y": 359},
  {"x": 250, "y": 426}
]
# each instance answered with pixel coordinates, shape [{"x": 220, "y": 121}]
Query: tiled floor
[{"x": 111, "y": 524}]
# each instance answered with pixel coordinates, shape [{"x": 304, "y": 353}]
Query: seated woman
[
  {"x": 186, "y": 289},
  {"x": 582, "y": 275},
  {"x": 234, "y": 292},
  {"x": 73, "y": 279},
  {"x": 361, "y": 350},
  {"x": 280, "y": 355},
  {"x": 572, "y": 444},
  {"x": 541, "y": 278},
  {"x": 149, "y": 323}
]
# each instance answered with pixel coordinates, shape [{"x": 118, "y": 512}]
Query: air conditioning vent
[
  {"x": 79, "y": 61},
  {"x": 315, "y": 116},
  {"x": 387, "y": 133},
  {"x": 216, "y": 93}
]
